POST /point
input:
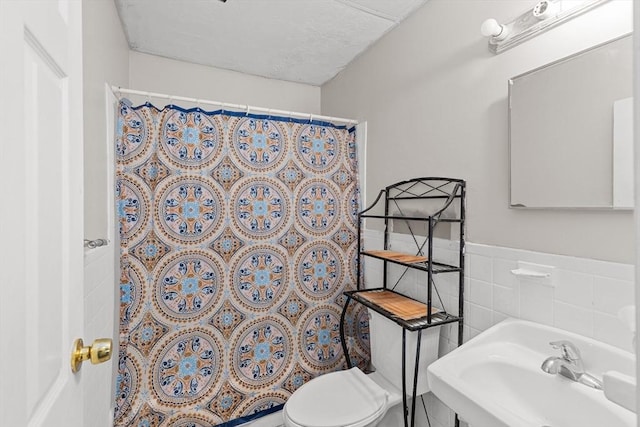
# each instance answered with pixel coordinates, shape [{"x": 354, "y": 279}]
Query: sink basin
[{"x": 495, "y": 380}]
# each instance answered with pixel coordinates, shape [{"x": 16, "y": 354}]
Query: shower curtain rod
[{"x": 223, "y": 105}]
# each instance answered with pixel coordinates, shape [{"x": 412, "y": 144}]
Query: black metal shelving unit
[{"x": 444, "y": 200}]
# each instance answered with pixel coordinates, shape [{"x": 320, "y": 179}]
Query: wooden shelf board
[
  {"x": 397, "y": 256},
  {"x": 403, "y": 307}
]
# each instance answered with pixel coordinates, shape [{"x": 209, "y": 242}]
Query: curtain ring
[
  {"x": 222, "y": 108},
  {"x": 198, "y": 109},
  {"x": 170, "y": 101},
  {"x": 310, "y": 118},
  {"x": 148, "y": 99},
  {"x": 247, "y": 113},
  {"x": 118, "y": 94}
]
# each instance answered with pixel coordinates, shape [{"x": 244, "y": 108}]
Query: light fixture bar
[{"x": 543, "y": 16}]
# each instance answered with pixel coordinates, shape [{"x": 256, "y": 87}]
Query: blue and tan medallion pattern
[
  {"x": 352, "y": 258},
  {"x": 147, "y": 333},
  {"x": 318, "y": 147},
  {"x": 292, "y": 240},
  {"x": 226, "y": 401},
  {"x": 227, "y": 319},
  {"x": 150, "y": 250},
  {"x": 293, "y": 308},
  {"x": 297, "y": 379},
  {"x": 319, "y": 341},
  {"x": 186, "y": 367},
  {"x": 227, "y": 173},
  {"x": 132, "y": 205},
  {"x": 147, "y": 417},
  {"x": 189, "y": 209},
  {"x": 264, "y": 351},
  {"x": 132, "y": 292},
  {"x": 343, "y": 178},
  {"x": 263, "y": 402},
  {"x": 227, "y": 245},
  {"x": 352, "y": 204},
  {"x": 190, "y": 139},
  {"x": 357, "y": 334},
  {"x": 318, "y": 207},
  {"x": 127, "y": 385},
  {"x": 132, "y": 134},
  {"x": 199, "y": 419},
  {"x": 258, "y": 144},
  {"x": 319, "y": 270},
  {"x": 237, "y": 240},
  {"x": 261, "y": 208},
  {"x": 187, "y": 285},
  {"x": 291, "y": 175},
  {"x": 152, "y": 172},
  {"x": 344, "y": 237},
  {"x": 259, "y": 277},
  {"x": 352, "y": 152},
  {"x": 194, "y": 419}
]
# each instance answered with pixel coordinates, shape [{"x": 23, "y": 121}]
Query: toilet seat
[{"x": 339, "y": 399}]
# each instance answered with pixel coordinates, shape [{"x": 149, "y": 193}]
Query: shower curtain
[{"x": 238, "y": 237}]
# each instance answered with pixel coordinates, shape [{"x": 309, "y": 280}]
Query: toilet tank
[{"x": 386, "y": 351}]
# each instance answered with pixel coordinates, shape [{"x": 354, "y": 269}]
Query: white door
[{"x": 41, "y": 212}]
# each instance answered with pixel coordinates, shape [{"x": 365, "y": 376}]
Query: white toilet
[{"x": 351, "y": 398}]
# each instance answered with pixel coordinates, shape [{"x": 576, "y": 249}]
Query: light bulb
[
  {"x": 543, "y": 10},
  {"x": 491, "y": 28}
]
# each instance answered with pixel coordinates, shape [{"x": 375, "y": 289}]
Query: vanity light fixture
[{"x": 542, "y": 16}]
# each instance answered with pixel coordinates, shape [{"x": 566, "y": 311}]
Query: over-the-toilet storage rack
[{"x": 437, "y": 201}]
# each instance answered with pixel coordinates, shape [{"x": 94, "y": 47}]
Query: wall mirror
[{"x": 570, "y": 131}]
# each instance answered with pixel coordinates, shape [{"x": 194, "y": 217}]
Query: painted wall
[
  {"x": 105, "y": 60},
  {"x": 157, "y": 74},
  {"x": 435, "y": 99}
]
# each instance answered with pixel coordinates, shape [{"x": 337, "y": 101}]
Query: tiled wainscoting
[
  {"x": 99, "y": 279},
  {"x": 585, "y": 299}
]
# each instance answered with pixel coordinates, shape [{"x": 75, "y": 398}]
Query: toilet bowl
[
  {"x": 339, "y": 399},
  {"x": 351, "y": 398}
]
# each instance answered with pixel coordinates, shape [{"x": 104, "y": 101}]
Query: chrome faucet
[{"x": 569, "y": 365}]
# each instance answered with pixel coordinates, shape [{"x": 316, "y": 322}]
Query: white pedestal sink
[{"x": 495, "y": 380}]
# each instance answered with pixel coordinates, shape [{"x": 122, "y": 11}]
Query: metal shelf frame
[{"x": 448, "y": 190}]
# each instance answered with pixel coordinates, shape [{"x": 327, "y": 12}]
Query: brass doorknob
[{"x": 98, "y": 352}]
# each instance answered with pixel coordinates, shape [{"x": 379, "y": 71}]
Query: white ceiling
[{"x": 306, "y": 41}]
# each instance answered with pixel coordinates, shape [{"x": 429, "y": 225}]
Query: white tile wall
[
  {"x": 586, "y": 297},
  {"x": 99, "y": 279}
]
